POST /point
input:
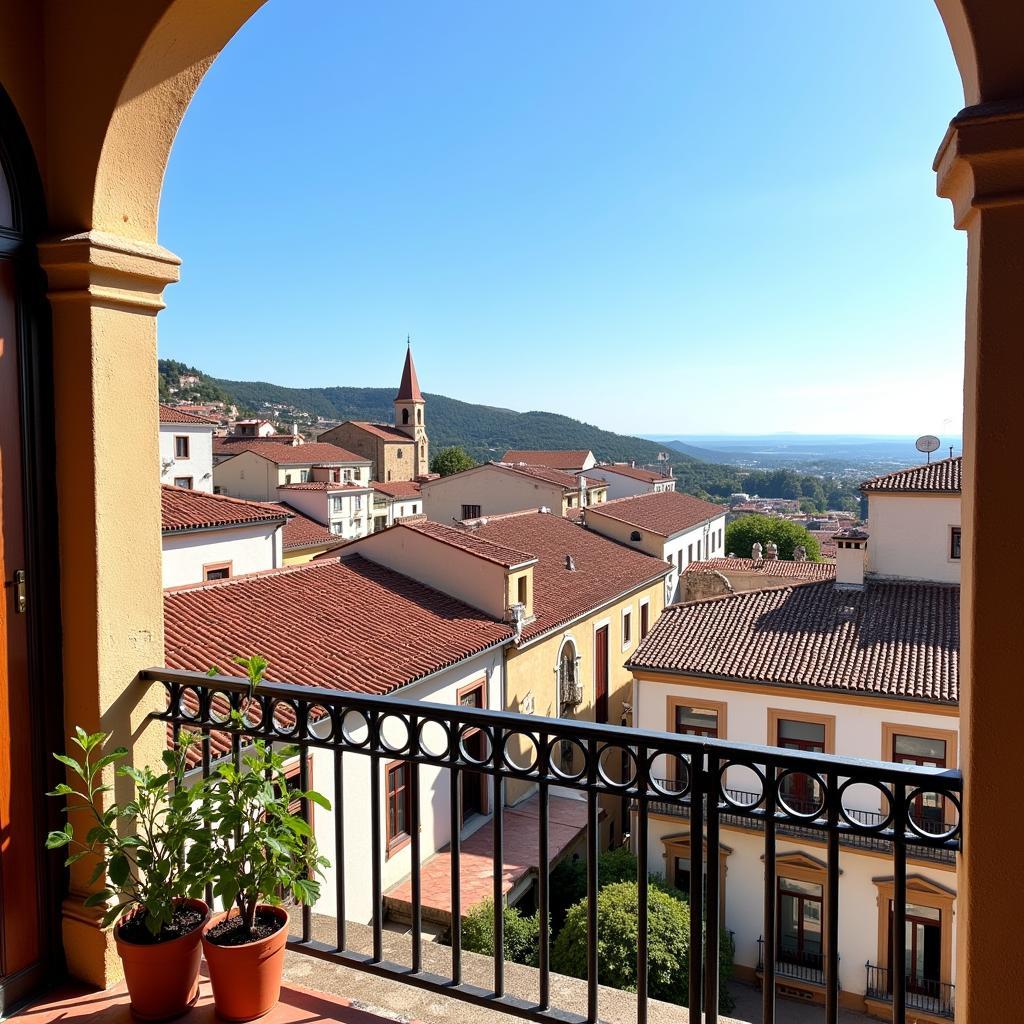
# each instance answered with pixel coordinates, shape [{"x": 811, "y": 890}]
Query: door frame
[{"x": 39, "y": 489}]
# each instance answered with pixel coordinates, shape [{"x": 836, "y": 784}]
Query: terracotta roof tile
[
  {"x": 634, "y": 473},
  {"x": 301, "y": 531},
  {"x": 182, "y": 510},
  {"x": 323, "y": 485},
  {"x": 603, "y": 569},
  {"x": 890, "y": 638},
  {"x": 942, "y": 477},
  {"x": 571, "y": 460},
  {"x": 767, "y": 567},
  {"x": 663, "y": 513},
  {"x": 329, "y": 624},
  {"x": 567, "y": 481},
  {"x": 383, "y": 431},
  {"x": 398, "y": 488},
  {"x": 466, "y": 540},
  {"x": 284, "y": 454},
  {"x": 170, "y": 414}
]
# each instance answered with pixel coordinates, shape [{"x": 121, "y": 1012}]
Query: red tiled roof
[
  {"x": 603, "y": 569},
  {"x": 890, "y": 638},
  {"x": 767, "y": 567},
  {"x": 341, "y": 625},
  {"x": 466, "y": 540},
  {"x": 303, "y": 532},
  {"x": 942, "y": 477},
  {"x": 182, "y": 510},
  {"x": 553, "y": 459},
  {"x": 398, "y": 488},
  {"x": 566, "y": 481},
  {"x": 323, "y": 485},
  {"x": 664, "y": 513},
  {"x": 382, "y": 430},
  {"x": 169, "y": 414},
  {"x": 311, "y": 453},
  {"x": 409, "y": 389},
  {"x": 634, "y": 473}
]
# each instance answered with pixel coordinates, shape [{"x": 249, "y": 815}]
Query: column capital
[
  {"x": 104, "y": 269},
  {"x": 980, "y": 162}
]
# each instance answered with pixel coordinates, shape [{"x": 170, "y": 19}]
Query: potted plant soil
[
  {"x": 145, "y": 851},
  {"x": 257, "y": 853}
]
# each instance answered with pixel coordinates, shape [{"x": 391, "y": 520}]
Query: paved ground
[
  {"x": 566, "y": 820},
  {"x": 787, "y": 1011}
]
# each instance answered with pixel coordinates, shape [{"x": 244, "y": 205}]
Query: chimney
[
  {"x": 771, "y": 551},
  {"x": 583, "y": 491},
  {"x": 851, "y": 554},
  {"x": 755, "y": 551},
  {"x": 569, "y": 563}
]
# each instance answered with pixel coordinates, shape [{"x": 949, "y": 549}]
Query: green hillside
[{"x": 483, "y": 430}]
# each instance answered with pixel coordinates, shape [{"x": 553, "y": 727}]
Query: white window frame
[{"x": 625, "y": 613}]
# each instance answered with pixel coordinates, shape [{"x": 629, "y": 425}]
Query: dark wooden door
[
  {"x": 601, "y": 675},
  {"x": 28, "y": 895}
]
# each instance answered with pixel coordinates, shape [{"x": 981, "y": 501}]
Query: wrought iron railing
[
  {"x": 934, "y": 997},
  {"x": 857, "y": 840},
  {"x": 796, "y": 964},
  {"x": 609, "y": 762}
]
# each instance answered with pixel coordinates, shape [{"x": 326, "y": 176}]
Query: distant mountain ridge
[{"x": 485, "y": 431}]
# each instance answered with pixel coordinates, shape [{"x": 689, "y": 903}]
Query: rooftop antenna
[
  {"x": 951, "y": 451},
  {"x": 408, "y": 341},
  {"x": 928, "y": 443}
]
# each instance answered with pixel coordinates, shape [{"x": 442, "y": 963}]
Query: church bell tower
[{"x": 409, "y": 414}]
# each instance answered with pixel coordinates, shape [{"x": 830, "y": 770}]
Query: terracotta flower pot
[
  {"x": 163, "y": 977},
  {"x": 246, "y": 979}
]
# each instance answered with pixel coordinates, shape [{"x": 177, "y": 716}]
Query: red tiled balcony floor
[
  {"x": 567, "y": 820},
  {"x": 297, "y": 1006}
]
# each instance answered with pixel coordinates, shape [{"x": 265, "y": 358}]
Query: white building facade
[
  {"x": 345, "y": 509},
  {"x": 625, "y": 481},
  {"x": 186, "y": 450}
]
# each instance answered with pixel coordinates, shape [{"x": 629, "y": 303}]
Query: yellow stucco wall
[{"x": 530, "y": 673}]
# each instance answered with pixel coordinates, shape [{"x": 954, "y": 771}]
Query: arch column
[
  {"x": 980, "y": 168},
  {"x": 105, "y": 292}
]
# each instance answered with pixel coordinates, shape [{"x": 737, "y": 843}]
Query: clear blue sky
[{"x": 663, "y": 216}]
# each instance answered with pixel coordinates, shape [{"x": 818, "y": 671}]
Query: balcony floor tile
[{"x": 297, "y": 1006}]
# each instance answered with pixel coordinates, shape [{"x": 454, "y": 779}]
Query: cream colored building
[
  {"x": 864, "y": 665},
  {"x": 497, "y": 488},
  {"x": 261, "y": 467},
  {"x": 580, "y": 605},
  {"x": 665, "y": 524}
]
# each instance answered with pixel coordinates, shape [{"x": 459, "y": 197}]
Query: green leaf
[
  {"x": 76, "y": 857},
  {"x": 96, "y": 898},
  {"x": 55, "y": 840},
  {"x": 63, "y": 789},
  {"x": 319, "y": 799},
  {"x": 118, "y": 869},
  {"x": 71, "y": 763}
]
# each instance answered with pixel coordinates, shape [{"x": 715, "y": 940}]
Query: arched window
[
  {"x": 419, "y": 417},
  {"x": 405, "y": 417},
  {"x": 569, "y": 691}
]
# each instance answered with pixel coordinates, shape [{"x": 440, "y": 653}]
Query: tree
[
  {"x": 451, "y": 460},
  {"x": 522, "y": 934},
  {"x": 668, "y": 943},
  {"x": 741, "y": 535}
]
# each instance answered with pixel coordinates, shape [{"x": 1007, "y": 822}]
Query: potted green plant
[
  {"x": 257, "y": 852},
  {"x": 146, "y": 852}
]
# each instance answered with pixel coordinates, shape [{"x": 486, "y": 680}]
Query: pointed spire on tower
[{"x": 409, "y": 390}]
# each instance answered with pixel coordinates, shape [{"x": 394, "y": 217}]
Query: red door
[{"x": 601, "y": 675}]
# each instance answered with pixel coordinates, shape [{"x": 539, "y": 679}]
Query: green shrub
[
  {"x": 668, "y": 943},
  {"x": 522, "y": 934}
]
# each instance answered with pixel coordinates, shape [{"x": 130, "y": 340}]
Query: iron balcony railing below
[
  {"x": 934, "y": 997},
  {"x": 857, "y": 840},
  {"x": 798, "y": 965},
  {"x": 608, "y": 762}
]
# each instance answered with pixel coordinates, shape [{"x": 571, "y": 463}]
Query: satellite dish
[{"x": 927, "y": 443}]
